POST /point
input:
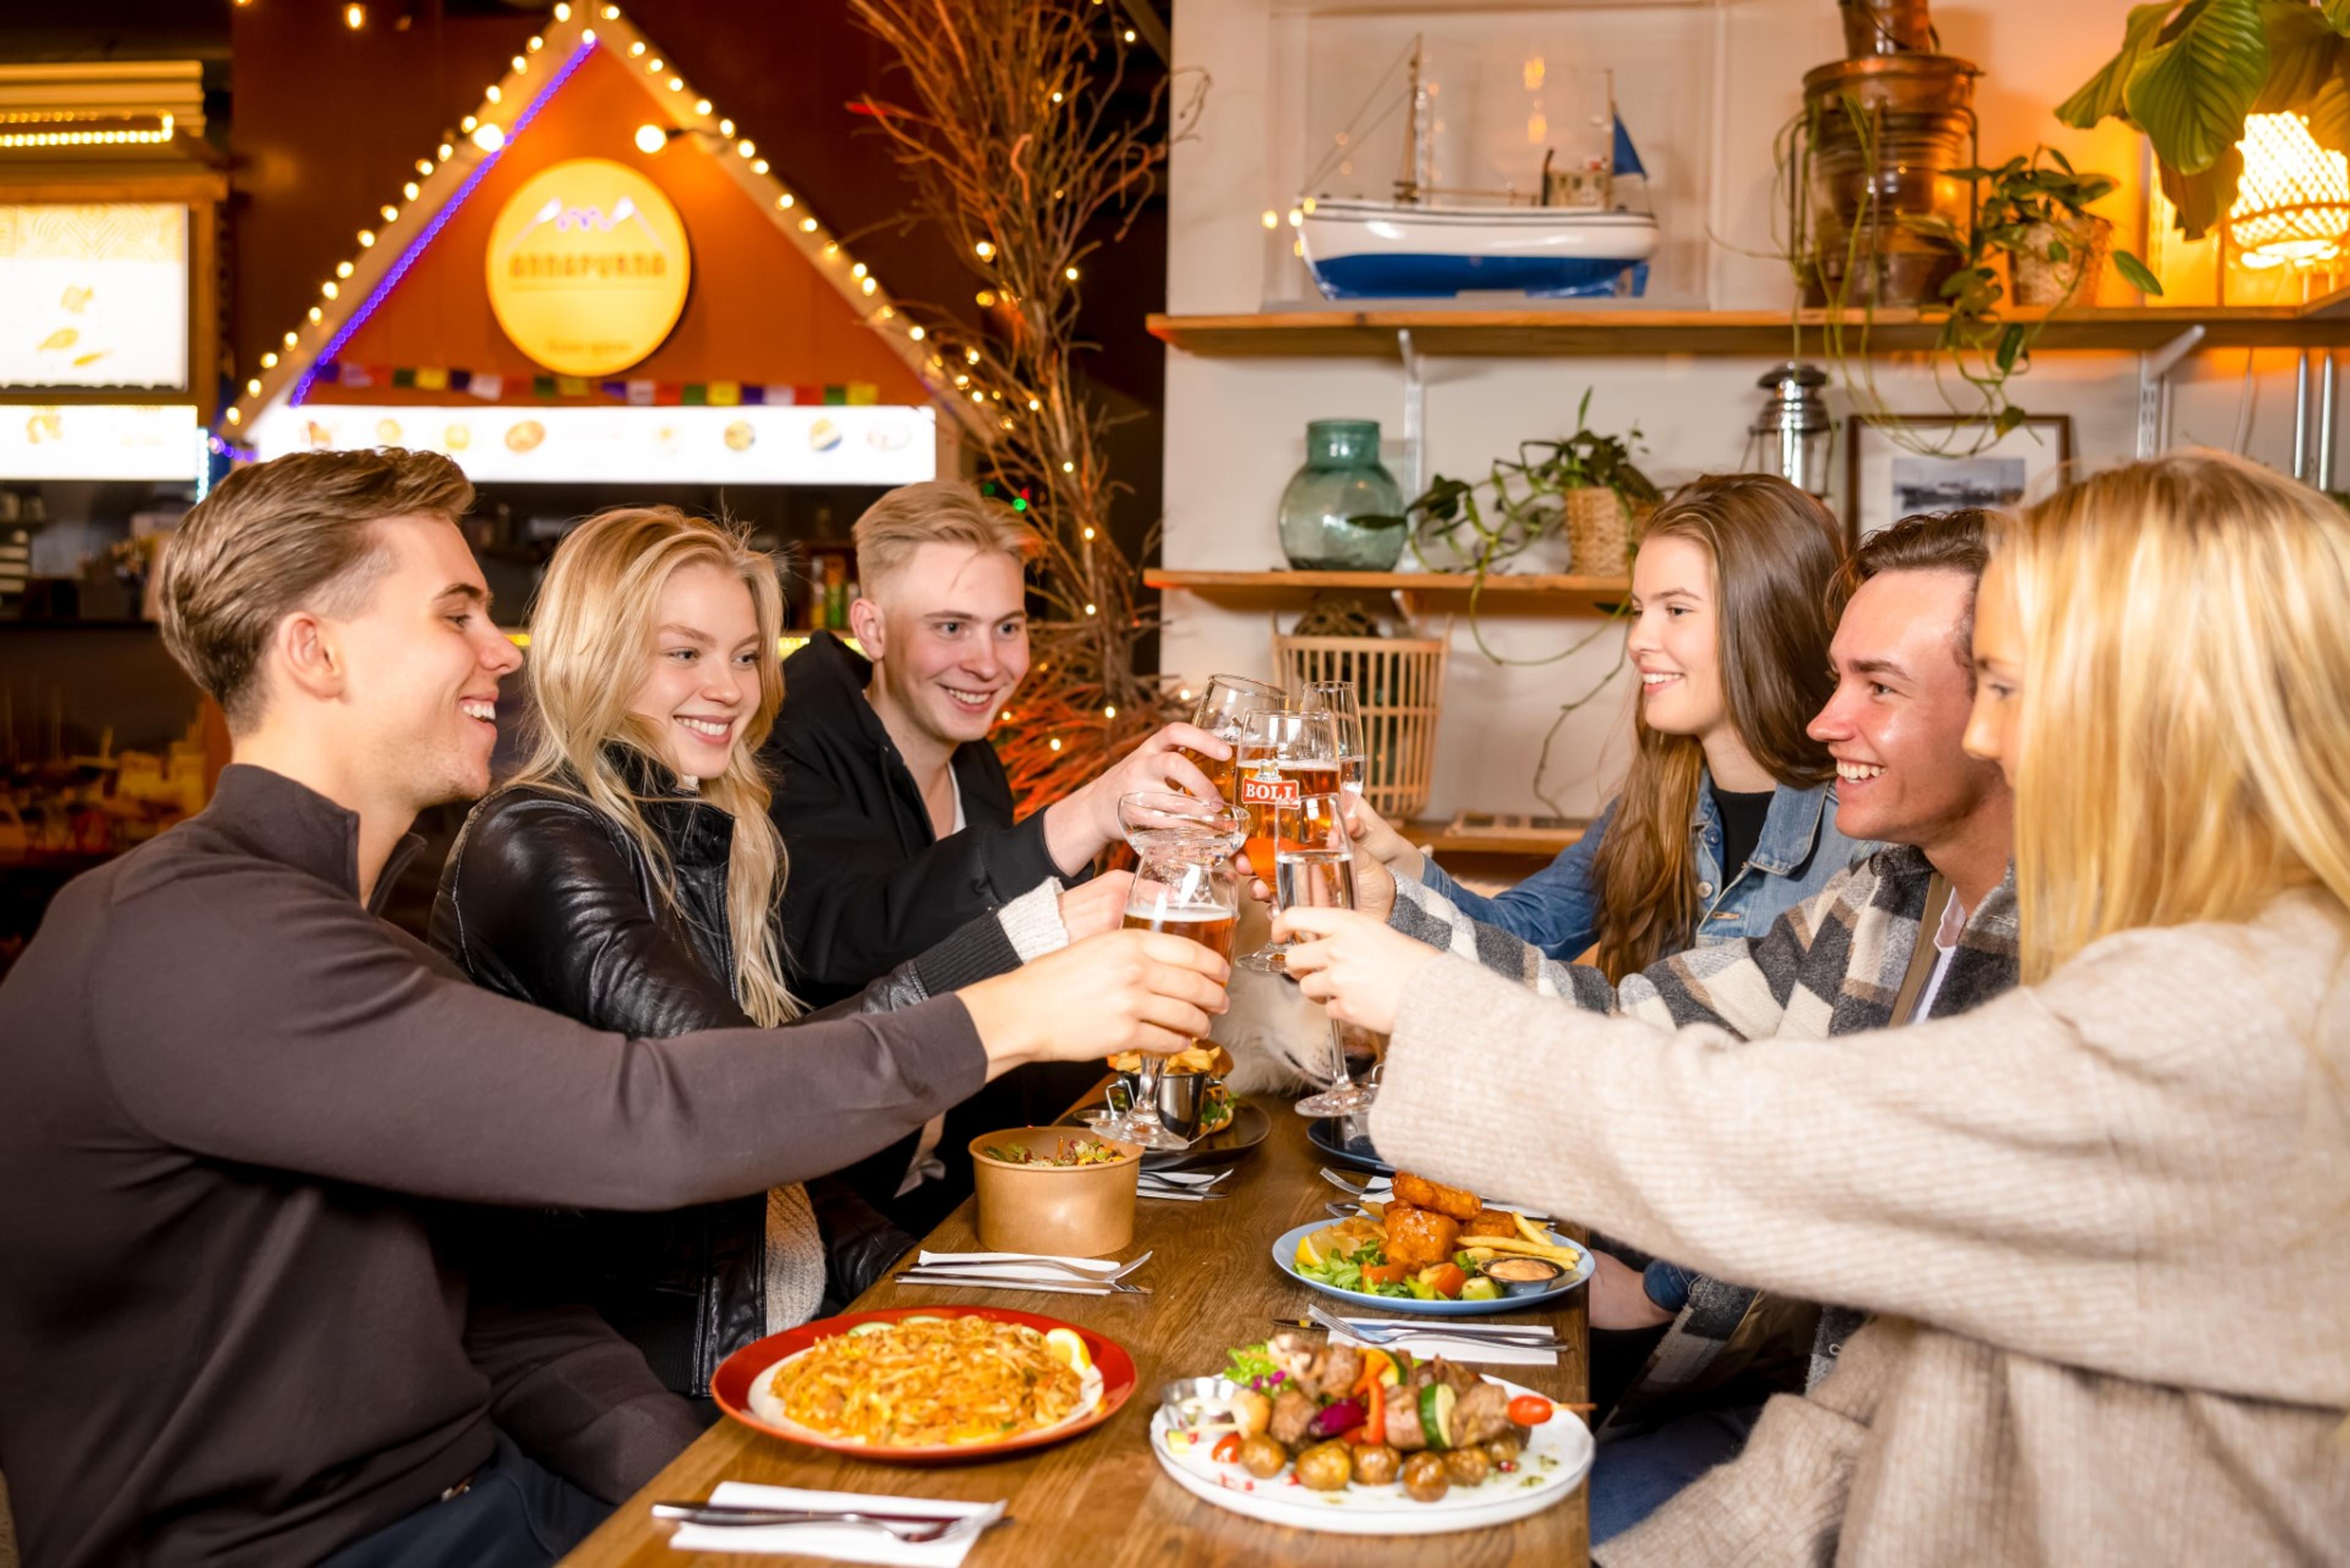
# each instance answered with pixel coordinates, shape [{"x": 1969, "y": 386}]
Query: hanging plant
[{"x": 2187, "y": 75}]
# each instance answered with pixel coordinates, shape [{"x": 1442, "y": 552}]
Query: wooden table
[{"x": 1101, "y": 1499}]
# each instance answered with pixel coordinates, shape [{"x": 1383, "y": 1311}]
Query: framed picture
[{"x": 1884, "y": 480}]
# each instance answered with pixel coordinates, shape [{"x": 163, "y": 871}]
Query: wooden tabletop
[{"x": 1101, "y": 1499}]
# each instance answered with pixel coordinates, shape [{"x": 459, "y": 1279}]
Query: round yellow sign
[{"x": 588, "y": 267}]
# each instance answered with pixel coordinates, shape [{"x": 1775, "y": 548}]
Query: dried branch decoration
[{"x": 1016, "y": 157}]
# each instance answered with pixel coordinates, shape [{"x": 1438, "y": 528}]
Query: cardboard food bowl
[{"x": 1066, "y": 1210}]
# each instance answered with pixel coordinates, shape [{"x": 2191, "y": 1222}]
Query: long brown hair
[{"x": 1773, "y": 550}]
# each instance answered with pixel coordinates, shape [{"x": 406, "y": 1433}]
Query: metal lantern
[{"x": 1792, "y": 436}]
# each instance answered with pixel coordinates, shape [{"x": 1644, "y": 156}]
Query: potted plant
[
  {"x": 1585, "y": 488},
  {"x": 2034, "y": 210},
  {"x": 2188, "y": 73}
]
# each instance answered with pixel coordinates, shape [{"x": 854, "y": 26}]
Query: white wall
[{"x": 1235, "y": 427}]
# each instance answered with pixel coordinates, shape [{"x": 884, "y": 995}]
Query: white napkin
[
  {"x": 1457, "y": 1347},
  {"x": 842, "y": 1543}
]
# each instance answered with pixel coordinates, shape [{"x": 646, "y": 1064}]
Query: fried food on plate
[
  {"x": 1418, "y": 1237},
  {"x": 1422, "y": 1193},
  {"x": 1490, "y": 1222}
]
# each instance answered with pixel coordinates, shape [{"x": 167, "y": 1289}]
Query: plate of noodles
[{"x": 926, "y": 1385}]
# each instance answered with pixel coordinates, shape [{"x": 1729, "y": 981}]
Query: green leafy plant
[
  {"x": 2187, "y": 75},
  {"x": 2028, "y": 207},
  {"x": 1485, "y": 524}
]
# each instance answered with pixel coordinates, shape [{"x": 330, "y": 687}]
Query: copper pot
[
  {"x": 1887, "y": 27},
  {"x": 1920, "y": 114},
  {"x": 1063, "y": 1210}
]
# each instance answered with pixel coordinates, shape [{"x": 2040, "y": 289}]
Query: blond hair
[
  {"x": 2185, "y": 727},
  {"x": 295, "y": 533},
  {"x": 936, "y": 512},
  {"x": 591, "y": 635}
]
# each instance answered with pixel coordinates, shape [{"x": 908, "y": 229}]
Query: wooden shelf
[
  {"x": 1444, "y": 839},
  {"x": 1529, "y": 590},
  {"x": 1371, "y": 333}
]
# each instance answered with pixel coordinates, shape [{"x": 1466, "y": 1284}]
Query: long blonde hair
[
  {"x": 591, "y": 634},
  {"x": 2185, "y": 728}
]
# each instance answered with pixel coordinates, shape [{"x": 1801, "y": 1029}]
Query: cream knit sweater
[{"x": 2105, "y": 1221}]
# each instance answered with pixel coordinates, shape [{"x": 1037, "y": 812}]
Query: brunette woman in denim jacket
[{"x": 1727, "y": 816}]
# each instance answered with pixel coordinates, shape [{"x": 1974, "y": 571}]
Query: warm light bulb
[
  {"x": 563, "y": 13},
  {"x": 869, "y": 285},
  {"x": 492, "y": 92},
  {"x": 725, "y": 126},
  {"x": 984, "y": 249},
  {"x": 701, "y": 106},
  {"x": 330, "y": 288},
  {"x": 970, "y": 356},
  {"x": 489, "y": 138},
  {"x": 316, "y": 315},
  {"x": 1033, "y": 406},
  {"x": 354, "y": 18},
  {"x": 445, "y": 152},
  {"x": 785, "y": 201},
  {"x": 291, "y": 339},
  {"x": 1271, "y": 219},
  {"x": 746, "y": 147},
  {"x": 411, "y": 190},
  {"x": 758, "y": 166},
  {"x": 1129, "y": 35},
  {"x": 916, "y": 333},
  {"x": 650, "y": 139},
  {"x": 611, "y": 13},
  {"x": 391, "y": 214},
  {"x": 808, "y": 225},
  {"x": 236, "y": 416},
  {"x": 424, "y": 166},
  {"x": 520, "y": 64},
  {"x": 269, "y": 360},
  {"x": 637, "y": 49},
  {"x": 856, "y": 271},
  {"x": 677, "y": 84},
  {"x": 831, "y": 249},
  {"x": 586, "y": 35},
  {"x": 343, "y": 269},
  {"x": 467, "y": 124},
  {"x": 1068, "y": 467},
  {"x": 253, "y": 387},
  {"x": 535, "y": 43},
  {"x": 1070, "y": 273}
]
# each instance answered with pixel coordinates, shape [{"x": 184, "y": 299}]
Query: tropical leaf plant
[{"x": 2188, "y": 73}]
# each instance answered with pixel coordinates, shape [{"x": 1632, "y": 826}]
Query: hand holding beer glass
[
  {"x": 1224, "y": 711},
  {"x": 1281, "y": 757},
  {"x": 1314, "y": 867},
  {"x": 1186, "y": 887}
]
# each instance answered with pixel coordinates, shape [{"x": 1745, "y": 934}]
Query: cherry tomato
[
  {"x": 1227, "y": 1449},
  {"x": 1386, "y": 1273},
  {"x": 1529, "y": 1410},
  {"x": 1446, "y": 1279}
]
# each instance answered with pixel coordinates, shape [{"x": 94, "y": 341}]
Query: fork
[
  {"x": 914, "y": 1529},
  {"x": 1378, "y": 1333}
]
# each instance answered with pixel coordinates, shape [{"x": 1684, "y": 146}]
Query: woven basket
[
  {"x": 1598, "y": 532},
  {"x": 2039, "y": 280},
  {"x": 1399, "y": 685}
]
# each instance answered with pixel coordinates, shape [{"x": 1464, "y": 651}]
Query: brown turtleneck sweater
[{"x": 236, "y": 1110}]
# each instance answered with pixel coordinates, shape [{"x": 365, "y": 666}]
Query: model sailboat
[{"x": 1576, "y": 242}]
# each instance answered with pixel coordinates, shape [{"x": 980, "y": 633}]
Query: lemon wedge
[
  {"x": 1070, "y": 1346},
  {"x": 1307, "y": 1258}
]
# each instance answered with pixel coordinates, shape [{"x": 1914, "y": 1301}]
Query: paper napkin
[{"x": 841, "y": 1542}]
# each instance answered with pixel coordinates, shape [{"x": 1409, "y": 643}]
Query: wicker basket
[
  {"x": 2039, "y": 280},
  {"x": 1598, "y": 532},
  {"x": 1399, "y": 683}
]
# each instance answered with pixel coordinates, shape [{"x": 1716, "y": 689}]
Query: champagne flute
[
  {"x": 1223, "y": 710},
  {"x": 1281, "y": 757},
  {"x": 1187, "y": 888},
  {"x": 1338, "y": 697},
  {"x": 1314, "y": 867}
]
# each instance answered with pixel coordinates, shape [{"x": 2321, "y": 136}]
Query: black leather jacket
[{"x": 546, "y": 900}]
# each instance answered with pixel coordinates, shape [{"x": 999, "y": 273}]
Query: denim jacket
[{"x": 1557, "y": 907}]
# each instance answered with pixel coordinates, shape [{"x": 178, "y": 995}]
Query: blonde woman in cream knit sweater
[{"x": 2104, "y": 1222}]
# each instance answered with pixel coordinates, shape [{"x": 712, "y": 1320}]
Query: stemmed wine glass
[
  {"x": 1314, "y": 867},
  {"x": 1186, "y": 887},
  {"x": 1338, "y": 698},
  {"x": 1281, "y": 757},
  {"x": 1157, "y": 819},
  {"x": 1223, "y": 710}
]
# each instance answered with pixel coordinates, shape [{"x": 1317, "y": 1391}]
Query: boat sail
[{"x": 1577, "y": 242}]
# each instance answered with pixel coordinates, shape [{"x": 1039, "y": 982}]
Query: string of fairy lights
[{"x": 456, "y": 163}]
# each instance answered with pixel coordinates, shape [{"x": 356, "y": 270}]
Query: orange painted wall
[{"x": 758, "y": 310}]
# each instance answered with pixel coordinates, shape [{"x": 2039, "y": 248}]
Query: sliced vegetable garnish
[{"x": 1436, "y": 1402}]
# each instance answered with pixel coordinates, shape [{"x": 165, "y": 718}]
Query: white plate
[{"x": 1557, "y": 1458}]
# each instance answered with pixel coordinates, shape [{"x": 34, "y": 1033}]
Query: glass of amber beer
[
  {"x": 1282, "y": 758},
  {"x": 1224, "y": 711},
  {"x": 1314, "y": 867},
  {"x": 1186, "y": 887}
]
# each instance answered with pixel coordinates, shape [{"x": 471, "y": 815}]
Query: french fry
[
  {"x": 1562, "y": 1255},
  {"x": 1531, "y": 1231}
]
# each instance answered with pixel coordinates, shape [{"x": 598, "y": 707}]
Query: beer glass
[
  {"x": 1314, "y": 867},
  {"x": 1338, "y": 698},
  {"x": 1186, "y": 887},
  {"x": 1281, "y": 757},
  {"x": 1153, "y": 820},
  {"x": 1222, "y": 711}
]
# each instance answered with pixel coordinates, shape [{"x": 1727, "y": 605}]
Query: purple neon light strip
[{"x": 416, "y": 247}]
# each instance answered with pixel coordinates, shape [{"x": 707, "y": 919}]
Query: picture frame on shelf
[{"x": 1885, "y": 482}]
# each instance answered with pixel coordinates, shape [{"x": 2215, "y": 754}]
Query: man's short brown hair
[
  {"x": 295, "y": 533},
  {"x": 1954, "y": 541},
  {"x": 936, "y": 512}
]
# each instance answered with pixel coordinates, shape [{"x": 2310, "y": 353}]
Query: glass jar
[{"x": 1341, "y": 483}]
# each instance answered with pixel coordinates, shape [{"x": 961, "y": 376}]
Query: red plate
[{"x": 732, "y": 1385}]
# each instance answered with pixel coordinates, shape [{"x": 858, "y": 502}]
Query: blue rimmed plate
[{"x": 1284, "y": 1257}]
